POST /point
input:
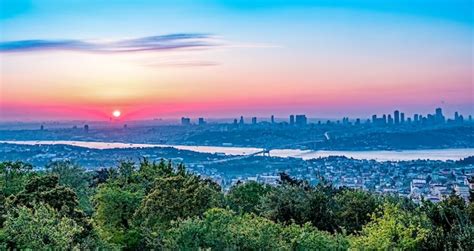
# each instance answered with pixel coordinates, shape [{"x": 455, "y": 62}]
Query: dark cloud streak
[{"x": 152, "y": 43}]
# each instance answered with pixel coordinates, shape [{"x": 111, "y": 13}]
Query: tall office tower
[
  {"x": 409, "y": 120},
  {"x": 185, "y": 121},
  {"x": 272, "y": 119},
  {"x": 300, "y": 120},
  {"x": 374, "y": 119},
  {"x": 402, "y": 117},
  {"x": 384, "y": 119},
  {"x": 235, "y": 121},
  {"x": 456, "y": 116},
  {"x": 292, "y": 119},
  {"x": 254, "y": 120},
  {"x": 86, "y": 128},
  {"x": 201, "y": 121},
  {"x": 42, "y": 127},
  {"x": 439, "y": 117},
  {"x": 416, "y": 118},
  {"x": 390, "y": 119},
  {"x": 241, "y": 120},
  {"x": 396, "y": 116},
  {"x": 357, "y": 121}
]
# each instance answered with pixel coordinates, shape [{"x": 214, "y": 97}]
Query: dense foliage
[{"x": 158, "y": 205}]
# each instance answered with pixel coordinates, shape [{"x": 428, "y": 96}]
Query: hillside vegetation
[{"x": 161, "y": 206}]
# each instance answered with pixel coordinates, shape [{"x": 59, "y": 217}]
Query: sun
[{"x": 116, "y": 113}]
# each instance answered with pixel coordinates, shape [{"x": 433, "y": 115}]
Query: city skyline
[{"x": 223, "y": 59}]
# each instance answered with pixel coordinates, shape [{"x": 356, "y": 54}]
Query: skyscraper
[
  {"x": 390, "y": 119},
  {"x": 272, "y": 119},
  {"x": 301, "y": 120},
  {"x": 396, "y": 116},
  {"x": 254, "y": 120},
  {"x": 292, "y": 119},
  {"x": 185, "y": 121},
  {"x": 402, "y": 117},
  {"x": 201, "y": 121},
  {"x": 439, "y": 117},
  {"x": 241, "y": 120}
]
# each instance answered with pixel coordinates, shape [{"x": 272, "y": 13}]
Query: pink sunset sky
[{"x": 85, "y": 59}]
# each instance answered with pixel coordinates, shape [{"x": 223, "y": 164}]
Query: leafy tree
[
  {"x": 75, "y": 177},
  {"x": 100, "y": 176},
  {"x": 131, "y": 194},
  {"x": 246, "y": 197},
  {"x": 393, "y": 228},
  {"x": 453, "y": 228},
  {"x": 307, "y": 237},
  {"x": 175, "y": 197},
  {"x": 46, "y": 190},
  {"x": 321, "y": 207},
  {"x": 40, "y": 227},
  {"x": 13, "y": 176},
  {"x": 220, "y": 229},
  {"x": 354, "y": 208},
  {"x": 114, "y": 216},
  {"x": 297, "y": 202},
  {"x": 286, "y": 204}
]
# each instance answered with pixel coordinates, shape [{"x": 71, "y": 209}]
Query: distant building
[
  {"x": 292, "y": 119},
  {"x": 42, "y": 127},
  {"x": 235, "y": 121},
  {"x": 402, "y": 118},
  {"x": 86, "y": 128},
  {"x": 241, "y": 120},
  {"x": 439, "y": 117},
  {"x": 390, "y": 119},
  {"x": 201, "y": 121},
  {"x": 396, "y": 117},
  {"x": 301, "y": 120},
  {"x": 185, "y": 121},
  {"x": 458, "y": 118},
  {"x": 254, "y": 120},
  {"x": 272, "y": 119}
]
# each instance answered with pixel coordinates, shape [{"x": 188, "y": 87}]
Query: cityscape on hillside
[
  {"x": 432, "y": 176},
  {"x": 261, "y": 125}
]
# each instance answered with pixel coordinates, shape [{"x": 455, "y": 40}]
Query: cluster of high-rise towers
[{"x": 399, "y": 118}]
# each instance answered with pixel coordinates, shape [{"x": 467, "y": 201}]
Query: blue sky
[{"x": 326, "y": 57}]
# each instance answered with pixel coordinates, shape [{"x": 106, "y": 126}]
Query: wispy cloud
[
  {"x": 183, "y": 64},
  {"x": 152, "y": 43}
]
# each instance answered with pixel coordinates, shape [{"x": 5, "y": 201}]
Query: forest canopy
[{"x": 161, "y": 205}]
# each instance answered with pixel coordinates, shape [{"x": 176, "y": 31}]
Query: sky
[{"x": 84, "y": 59}]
